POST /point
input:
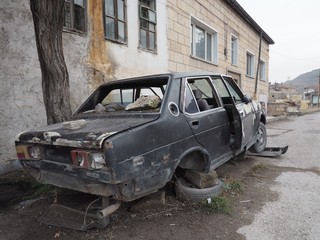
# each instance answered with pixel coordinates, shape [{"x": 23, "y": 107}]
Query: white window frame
[
  {"x": 195, "y": 23},
  {"x": 234, "y": 49},
  {"x": 250, "y": 64},
  {"x": 262, "y": 70}
]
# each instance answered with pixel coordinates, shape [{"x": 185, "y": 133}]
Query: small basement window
[{"x": 74, "y": 15}]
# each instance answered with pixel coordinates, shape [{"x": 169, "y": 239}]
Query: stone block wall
[
  {"x": 277, "y": 109},
  {"x": 218, "y": 16}
]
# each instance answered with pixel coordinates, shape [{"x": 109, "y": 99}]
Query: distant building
[{"x": 280, "y": 91}]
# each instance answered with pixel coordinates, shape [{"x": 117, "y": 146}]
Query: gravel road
[{"x": 296, "y": 212}]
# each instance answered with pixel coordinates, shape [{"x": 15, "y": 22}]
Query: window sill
[
  {"x": 116, "y": 41},
  {"x": 203, "y": 60},
  {"x": 148, "y": 50},
  {"x": 74, "y": 31},
  {"x": 249, "y": 76}
]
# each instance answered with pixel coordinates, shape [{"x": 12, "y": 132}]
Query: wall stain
[{"x": 100, "y": 67}]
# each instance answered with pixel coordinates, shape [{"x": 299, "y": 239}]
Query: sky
[{"x": 294, "y": 26}]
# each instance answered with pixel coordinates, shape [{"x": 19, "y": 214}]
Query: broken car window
[
  {"x": 203, "y": 93},
  {"x": 122, "y": 97}
]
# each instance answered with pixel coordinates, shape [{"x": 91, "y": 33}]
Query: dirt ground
[{"x": 176, "y": 220}]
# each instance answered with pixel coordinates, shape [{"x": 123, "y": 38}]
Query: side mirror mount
[{"x": 247, "y": 99}]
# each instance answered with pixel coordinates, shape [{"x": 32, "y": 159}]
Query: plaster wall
[
  {"x": 21, "y": 99},
  {"x": 128, "y": 59}
]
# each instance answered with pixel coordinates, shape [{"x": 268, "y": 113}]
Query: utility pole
[{"x": 318, "y": 89}]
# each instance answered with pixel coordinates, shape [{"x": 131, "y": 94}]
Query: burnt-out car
[{"x": 130, "y": 136}]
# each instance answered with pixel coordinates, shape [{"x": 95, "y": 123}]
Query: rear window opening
[{"x": 127, "y": 96}]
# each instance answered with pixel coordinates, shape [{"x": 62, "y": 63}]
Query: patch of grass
[
  {"x": 234, "y": 186},
  {"x": 257, "y": 168},
  {"x": 218, "y": 204}
]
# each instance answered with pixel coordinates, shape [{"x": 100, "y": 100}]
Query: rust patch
[{"x": 100, "y": 67}]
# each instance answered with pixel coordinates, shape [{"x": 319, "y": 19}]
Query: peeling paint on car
[
  {"x": 48, "y": 135},
  {"x": 68, "y": 143},
  {"x": 73, "y": 125},
  {"x": 138, "y": 161}
]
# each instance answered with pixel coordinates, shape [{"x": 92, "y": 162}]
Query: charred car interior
[{"x": 131, "y": 136}]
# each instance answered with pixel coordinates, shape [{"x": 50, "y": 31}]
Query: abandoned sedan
[{"x": 130, "y": 136}]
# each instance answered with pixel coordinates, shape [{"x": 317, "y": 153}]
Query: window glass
[
  {"x": 74, "y": 15},
  {"x": 250, "y": 64},
  {"x": 203, "y": 95},
  {"x": 143, "y": 38},
  {"x": 262, "y": 70},
  {"x": 200, "y": 43},
  {"x": 120, "y": 10},
  {"x": 121, "y": 33},
  {"x": 234, "y": 50},
  {"x": 221, "y": 88},
  {"x": 151, "y": 40},
  {"x": 110, "y": 31},
  {"x": 115, "y": 20},
  {"x": 109, "y": 8},
  {"x": 190, "y": 103},
  {"x": 209, "y": 47},
  {"x": 148, "y": 24},
  {"x": 234, "y": 94},
  {"x": 204, "y": 42}
]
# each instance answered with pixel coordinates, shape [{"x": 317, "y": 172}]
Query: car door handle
[{"x": 195, "y": 124}]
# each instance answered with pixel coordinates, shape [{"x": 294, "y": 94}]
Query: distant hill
[{"x": 308, "y": 79}]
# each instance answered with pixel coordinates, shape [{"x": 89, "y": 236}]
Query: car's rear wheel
[
  {"x": 261, "y": 142},
  {"x": 185, "y": 190}
]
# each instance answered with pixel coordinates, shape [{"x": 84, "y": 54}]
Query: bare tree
[{"x": 48, "y": 24}]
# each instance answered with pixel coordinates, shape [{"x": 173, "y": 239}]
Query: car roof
[{"x": 173, "y": 75}]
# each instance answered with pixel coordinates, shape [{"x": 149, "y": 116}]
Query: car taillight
[
  {"x": 22, "y": 152},
  {"x": 28, "y": 152},
  {"x": 35, "y": 152},
  {"x": 97, "y": 160},
  {"x": 90, "y": 160}
]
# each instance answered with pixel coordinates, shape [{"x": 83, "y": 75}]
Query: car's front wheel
[{"x": 261, "y": 142}]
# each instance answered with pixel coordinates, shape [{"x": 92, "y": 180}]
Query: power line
[{"x": 294, "y": 58}]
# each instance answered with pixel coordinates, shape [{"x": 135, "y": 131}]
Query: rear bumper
[{"x": 78, "y": 179}]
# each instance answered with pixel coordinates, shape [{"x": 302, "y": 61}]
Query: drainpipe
[
  {"x": 318, "y": 90},
  {"x": 258, "y": 68}
]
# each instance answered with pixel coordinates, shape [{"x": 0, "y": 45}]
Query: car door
[
  {"x": 210, "y": 124},
  {"x": 245, "y": 110}
]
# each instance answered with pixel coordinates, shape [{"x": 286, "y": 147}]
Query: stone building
[
  {"x": 105, "y": 40},
  {"x": 280, "y": 91}
]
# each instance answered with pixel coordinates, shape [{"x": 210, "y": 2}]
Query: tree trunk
[{"x": 48, "y": 24}]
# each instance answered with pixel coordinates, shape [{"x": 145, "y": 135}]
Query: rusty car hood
[{"x": 85, "y": 133}]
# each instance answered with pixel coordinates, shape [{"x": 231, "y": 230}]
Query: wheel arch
[
  {"x": 195, "y": 158},
  {"x": 263, "y": 119}
]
